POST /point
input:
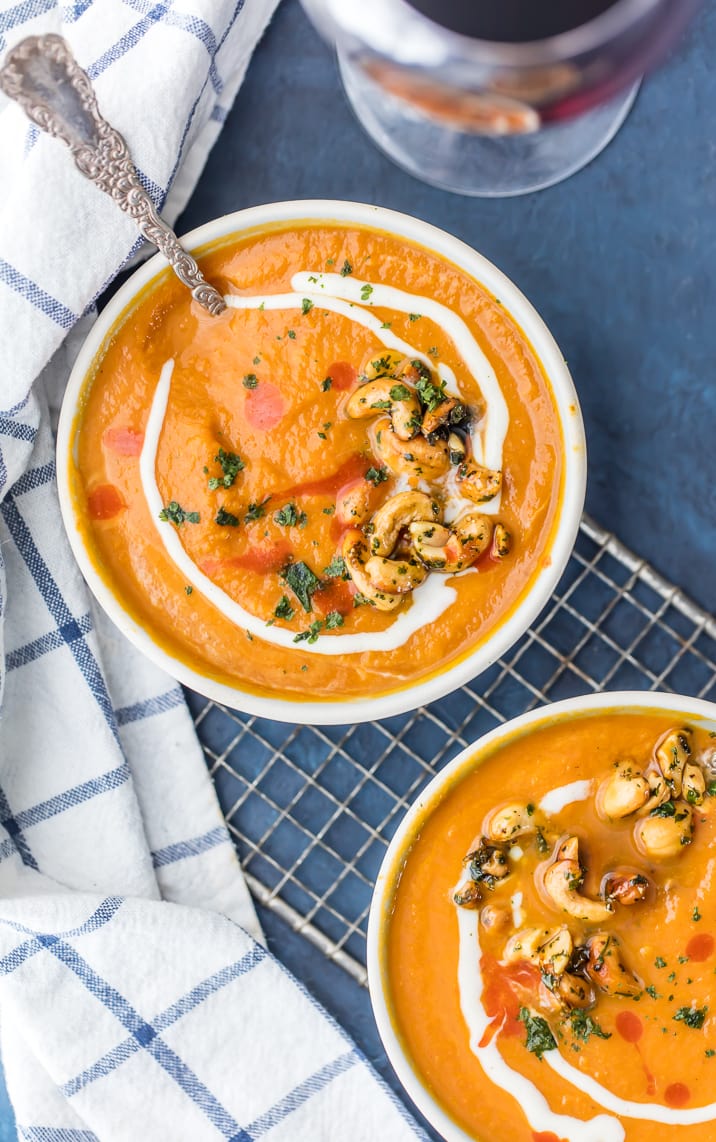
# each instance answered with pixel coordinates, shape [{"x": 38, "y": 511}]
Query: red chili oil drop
[
  {"x": 336, "y": 596},
  {"x": 546, "y": 1136},
  {"x": 259, "y": 559},
  {"x": 677, "y": 1094},
  {"x": 355, "y": 466},
  {"x": 264, "y": 406},
  {"x": 507, "y": 988},
  {"x": 123, "y": 441},
  {"x": 343, "y": 375},
  {"x": 105, "y": 502},
  {"x": 629, "y": 1026},
  {"x": 700, "y": 947}
]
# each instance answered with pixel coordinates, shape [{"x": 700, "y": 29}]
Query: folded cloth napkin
[{"x": 136, "y": 997}]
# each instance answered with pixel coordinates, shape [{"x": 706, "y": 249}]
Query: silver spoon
[{"x": 43, "y": 76}]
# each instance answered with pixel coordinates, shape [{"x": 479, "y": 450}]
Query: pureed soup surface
[
  {"x": 552, "y": 944},
  {"x": 228, "y": 470}
]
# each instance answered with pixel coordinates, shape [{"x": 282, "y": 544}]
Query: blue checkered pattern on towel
[{"x": 136, "y": 998}]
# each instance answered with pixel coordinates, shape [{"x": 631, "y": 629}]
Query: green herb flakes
[
  {"x": 174, "y": 513},
  {"x": 231, "y": 464},
  {"x": 365, "y": 292},
  {"x": 336, "y": 569},
  {"x": 302, "y": 581},
  {"x": 539, "y": 1037},
  {"x": 250, "y": 381},
  {"x": 283, "y": 609},
  {"x": 376, "y": 476},
  {"x": 306, "y": 305},
  {"x": 691, "y": 1016},
  {"x": 226, "y": 519},
  {"x": 326, "y": 384},
  {"x": 346, "y": 269},
  {"x": 256, "y": 511},
  {"x": 290, "y": 516}
]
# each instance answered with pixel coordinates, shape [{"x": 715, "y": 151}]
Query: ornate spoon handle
[{"x": 43, "y": 76}]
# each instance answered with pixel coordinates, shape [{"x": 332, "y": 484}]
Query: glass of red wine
[{"x": 495, "y": 97}]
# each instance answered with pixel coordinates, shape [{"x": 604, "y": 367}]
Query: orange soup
[
  {"x": 337, "y": 487},
  {"x": 551, "y": 947}
]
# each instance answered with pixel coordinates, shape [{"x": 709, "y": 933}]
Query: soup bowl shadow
[{"x": 334, "y": 709}]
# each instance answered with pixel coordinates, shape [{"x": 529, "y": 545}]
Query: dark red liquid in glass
[{"x": 511, "y": 21}]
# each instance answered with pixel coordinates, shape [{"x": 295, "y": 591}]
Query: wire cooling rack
[{"x": 312, "y": 809}]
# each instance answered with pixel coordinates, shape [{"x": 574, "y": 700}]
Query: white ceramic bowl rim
[
  {"x": 623, "y": 701},
  {"x": 333, "y": 711}
]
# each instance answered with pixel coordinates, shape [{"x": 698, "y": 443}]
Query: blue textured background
[{"x": 618, "y": 260}]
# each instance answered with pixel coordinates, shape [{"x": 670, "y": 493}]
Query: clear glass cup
[{"x": 493, "y": 118}]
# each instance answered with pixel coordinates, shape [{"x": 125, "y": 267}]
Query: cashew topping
[
  {"x": 502, "y": 542},
  {"x": 693, "y": 784},
  {"x": 672, "y": 755},
  {"x": 468, "y": 894},
  {"x": 396, "y": 576},
  {"x": 607, "y": 970},
  {"x": 442, "y": 414},
  {"x": 626, "y": 888},
  {"x": 415, "y": 458},
  {"x": 396, "y": 513},
  {"x": 386, "y": 393},
  {"x": 562, "y": 881},
  {"x": 623, "y": 792},
  {"x": 494, "y": 918},
  {"x": 548, "y": 948},
  {"x": 355, "y": 504},
  {"x": 452, "y": 550},
  {"x": 382, "y": 364},
  {"x": 477, "y": 483},
  {"x": 666, "y": 831},
  {"x": 487, "y": 863},
  {"x": 510, "y": 822},
  {"x": 574, "y": 992},
  {"x": 355, "y": 555},
  {"x": 456, "y": 448}
]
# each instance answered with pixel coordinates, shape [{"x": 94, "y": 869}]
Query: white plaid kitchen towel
[{"x": 136, "y": 998}]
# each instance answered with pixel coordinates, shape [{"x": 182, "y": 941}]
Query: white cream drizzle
[
  {"x": 534, "y": 1104},
  {"x": 429, "y": 600},
  {"x": 557, "y": 799}
]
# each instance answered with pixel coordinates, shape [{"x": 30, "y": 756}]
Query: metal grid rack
[{"x": 312, "y": 809}]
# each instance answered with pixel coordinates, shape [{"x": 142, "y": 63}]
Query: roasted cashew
[
  {"x": 477, "y": 483},
  {"x": 416, "y": 458},
  {"x": 671, "y": 757},
  {"x": 355, "y": 504},
  {"x": 467, "y": 895},
  {"x": 549, "y": 948},
  {"x": 452, "y": 550},
  {"x": 456, "y": 448},
  {"x": 435, "y": 418},
  {"x": 397, "y": 576},
  {"x": 626, "y": 888},
  {"x": 399, "y": 512},
  {"x": 386, "y": 393},
  {"x": 355, "y": 555},
  {"x": 562, "y": 881},
  {"x": 693, "y": 784},
  {"x": 502, "y": 541},
  {"x": 664, "y": 834},
  {"x": 606, "y": 969},
  {"x": 510, "y": 822},
  {"x": 487, "y": 863},
  {"x": 573, "y": 991},
  {"x": 493, "y": 918},
  {"x": 387, "y": 363},
  {"x": 623, "y": 792}
]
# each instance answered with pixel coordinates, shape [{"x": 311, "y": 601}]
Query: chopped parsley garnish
[
  {"x": 414, "y": 316},
  {"x": 659, "y": 962},
  {"x": 330, "y": 510},
  {"x": 696, "y": 915},
  {"x": 231, "y": 465},
  {"x": 583, "y": 1026},
  {"x": 346, "y": 269},
  {"x": 668, "y": 809},
  {"x": 302, "y": 582},
  {"x": 386, "y": 404},
  {"x": 651, "y": 990},
  {"x": 430, "y": 395},
  {"x": 709, "y": 1053},
  {"x": 386, "y": 325},
  {"x": 310, "y": 635},
  {"x": 711, "y": 788},
  {"x": 691, "y": 1016},
  {"x": 174, "y": 513},
  {"x": 333, "y": 619},
  {"x": 256, "y": 511},
  {"x": 292, "y": 334},
  {"x": 250, "y": 381},
  {"x": 376, "y": 476},
  {"x": 542, "y": 845},
  {"x": 283, "y": 609},
  {"x": 306, "y": 305},
  {"x": 326, "y": 384},
  {"x": 226, "y": 519},
  {"x": 365, "y": 292},
  {"x": 257, "y": 360},
  {"x": 188, "y": 590},
  {"x": 289, "y": 516},
  {"x": 539, "y": 1037},
  {"x": 400, "y": 392},
  {"x": 336, "y": 569}
]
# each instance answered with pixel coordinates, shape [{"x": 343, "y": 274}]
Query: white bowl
[
  {"x": 564, "y": 532},
  {"x": 633, "y": 701}
]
